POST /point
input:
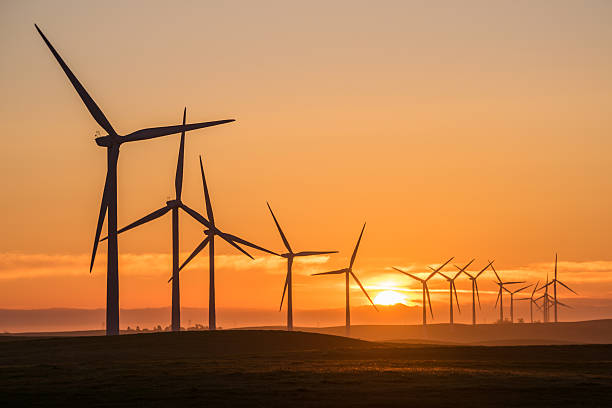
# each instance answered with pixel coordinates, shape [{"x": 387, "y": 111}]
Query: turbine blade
[
  {"x": 363, "y": 289},
  {"x": 356, "y": 247},
  {"x": 438, "y": 269},
  {"x": 280, "y": 230},
  {"x": 523, "y": 288},
  {"x": 178, "y": 180},
  {"x": 564, "y": 305},
  {"x": 513, "y": 283},
  {"x": 209, "y": 211},
  {"x": 101, "y": 216},
  {"x": 459, "y": 273},
  {"x": 247, "y": 243},
  {"x": 232, "y": 243},
  {"x": 152, "y": 133},
  {"x": 535, "y": 288},
  {"x": 456, "y": 297},
  {"x": 566, "y": 287},
  {"x": 555, "y": 266},
  {"x": 466, "y": 266},
  {"x": 154, "y": 215},
  {"x": 498, "y": 295},
  {"x": 477, "y": 294},
  {"x": 284, "y": 290},
  {"x": 444, "y": 276},
  {"x": 195, "y": 252},
  {"x": 309, "y": 253},
  {"x": 92, "y": 107},
  {"x": 409, "y": 274},
  {"x": 485, "y": 268},
  {"x": 495, "y": 272},
  {"x": 543, "y": 286},
  {"x": 429, "y": 300},
  {"x": 196, "y": 216},
  {"x": 443, "y": 265},
  {"x": 336, "y": 272}
]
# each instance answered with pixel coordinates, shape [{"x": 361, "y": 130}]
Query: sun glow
[{"x": 389, "y": 297}]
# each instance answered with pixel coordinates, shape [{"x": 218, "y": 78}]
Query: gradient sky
[{"x": 469, "y": 129}]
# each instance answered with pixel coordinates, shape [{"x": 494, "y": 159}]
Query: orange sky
[{"x": 461, "y": 129}]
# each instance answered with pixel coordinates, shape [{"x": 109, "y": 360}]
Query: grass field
[{"x": 275, "y": 368}]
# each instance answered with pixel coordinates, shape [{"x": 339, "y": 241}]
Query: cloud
[{"x": 27, "y": 266}]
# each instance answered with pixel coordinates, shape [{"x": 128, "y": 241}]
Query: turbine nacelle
[
  {"x": 107, "y": 141},
  {"x": 173, "y": 203}
]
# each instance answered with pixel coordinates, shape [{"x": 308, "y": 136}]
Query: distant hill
[{"x": 587, "y": 332}]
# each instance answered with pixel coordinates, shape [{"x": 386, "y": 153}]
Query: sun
[{"x": 388, "y": 298}]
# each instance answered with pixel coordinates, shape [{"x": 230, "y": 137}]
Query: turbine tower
[
  {"x": 532, "y": 301},
  {"x": 211, "y": 232},
  {"x": 554, "y": 283},
  {"x": 288, "y": 279},
  {"x": 349, "y": 271},
  {"x": 500, "y": 296},
  {"x": 512, "y": 293},
  {"x": 475, "y": 293},
  {"x": 426, "y": 297},
  {"x": 174, "y": 206},
  {"x": 112, "y": 141},
  {"x": 452, "y": 288}
]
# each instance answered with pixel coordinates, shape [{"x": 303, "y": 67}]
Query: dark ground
[{"x": 275, "y": 368}]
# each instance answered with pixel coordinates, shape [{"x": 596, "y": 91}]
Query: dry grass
[{"x": 272, "y": 368}]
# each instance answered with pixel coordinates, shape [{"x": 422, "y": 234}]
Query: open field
[{"x": 274, "y": 368}]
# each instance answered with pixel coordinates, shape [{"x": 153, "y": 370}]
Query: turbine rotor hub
[{"x": 107, "y": 141}]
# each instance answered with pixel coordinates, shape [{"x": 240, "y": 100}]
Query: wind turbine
[
  {"x": 452, "y": 288},
  {"x": 554, "y": 283},
  {"x": 112, "y": 141},
  {"x": 532, "y": 301},
  {"x": 546, "y": 301},
  {"x": 211, "y": 232},
  {"x": 500, "y": 296},
  {"x": 174, "y": 206},
  {"x": 425, "y": 288},
  {"x": 512, "y": 293},
  {"x": 349, "y": 271},
  {"x": 288, "y": 279},
  {"x": 475, "y": 289}
]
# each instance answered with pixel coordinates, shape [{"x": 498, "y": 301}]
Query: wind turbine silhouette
[
  {"x": 211, "y": 232},
  {"x": 532, "y": 301},
  {"x": 512, "y": 293},
  {"x": 426, "y": 297},
  {"x": 453, "y": 288},
  {"x": 288, "y": 279},
  {"x": 475, "y": 293},
  {"x": 112, "y": 141},
  {"x": 500, "y": 296},
  {"x": 349, "y": 271},
  {"x": 174, "y": 206},
  {"x": 554, "y": 283}
]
